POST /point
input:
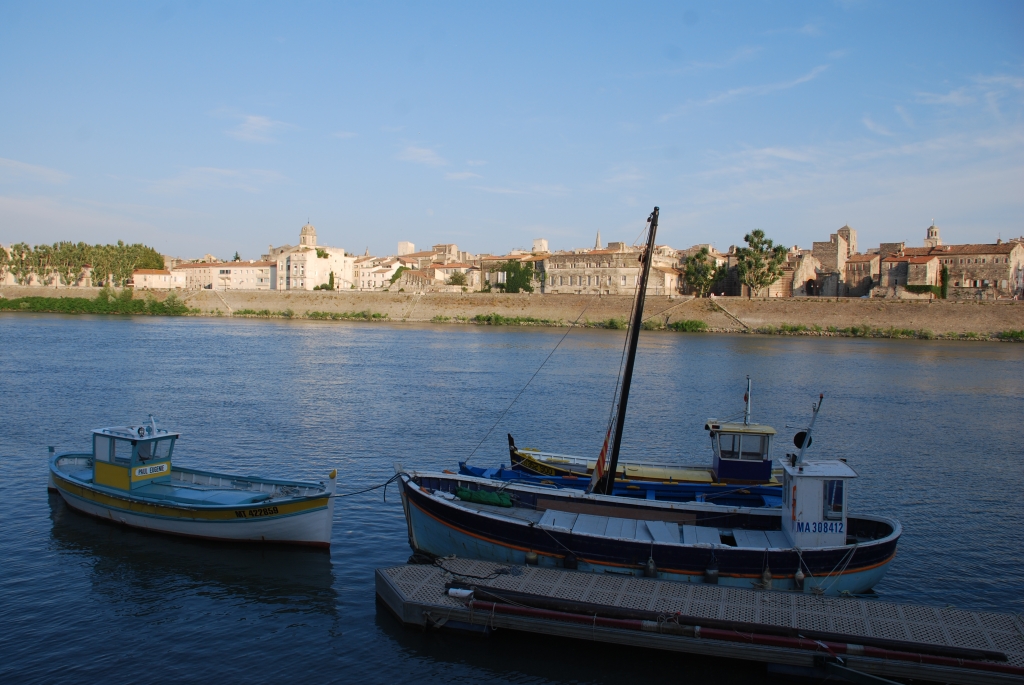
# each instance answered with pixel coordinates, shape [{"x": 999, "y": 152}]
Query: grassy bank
[
  {"x": 865, "y": 331},
  {"x": 107, "y": 302}
]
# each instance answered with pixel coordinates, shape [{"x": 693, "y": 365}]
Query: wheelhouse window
[
  {"x": 122, "y": 451},
  {"x": 101, "y": 448},
  {"x": 744, "y": 447},
  {"x": 162, "y": 448},
  {"x": 833, "y": 499}
]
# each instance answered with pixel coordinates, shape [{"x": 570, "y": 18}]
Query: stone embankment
[{"x": 726, "y": 314}]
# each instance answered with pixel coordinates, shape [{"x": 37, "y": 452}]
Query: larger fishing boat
[
  {"x": 128, "y": 478},
  {"x": 809, "y": 544}
]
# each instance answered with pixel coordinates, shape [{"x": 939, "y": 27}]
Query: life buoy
[{"x": 142, "y": 431}]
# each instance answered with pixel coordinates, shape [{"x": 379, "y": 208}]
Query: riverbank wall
[{"x": 726, "y": 314}]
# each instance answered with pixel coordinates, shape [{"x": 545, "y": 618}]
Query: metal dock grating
[{"x": 424, "y": 585}]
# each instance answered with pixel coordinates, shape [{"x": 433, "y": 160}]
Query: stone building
[
  {"x": 244, "y": 276},
  {"x": 862, "y": 274},
  {"x": 976, "y": 271},
  {"x": 197, "y": 276},
  {"x": 158, "y": 279},
  {"x": 610, "y": 271},
  {"x": 309, "y": 265}
]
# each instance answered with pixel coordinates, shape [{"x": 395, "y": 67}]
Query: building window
[{"x": 623, "y": 280}]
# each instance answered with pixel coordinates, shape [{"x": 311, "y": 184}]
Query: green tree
[
  {"x": 700, "y": 272},
  {"x": 760, "y": 262},
  {"x": 5, "y": 263},
  {"x": 330, "y": 282},
  {"x": 69, "y": 261},
  {"x": 236, "y": 258},
  {"x": 395, "y": 276},
  {"x": 944, "y": 288},
  {"x": 43, "y": 263},
  {"x": 457, "y": 278},
  {"x": 518, "y": 276},
  {"x": 100, "y": 257},
  {"x": 21, "y": 263}
]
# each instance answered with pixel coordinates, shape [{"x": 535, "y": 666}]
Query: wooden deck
[{"x": 417, "y": 595}]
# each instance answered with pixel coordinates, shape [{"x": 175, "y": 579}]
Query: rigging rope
[{"x": 521, "y": 391}]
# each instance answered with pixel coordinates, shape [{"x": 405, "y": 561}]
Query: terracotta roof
[
  {"x": 862, "y": 258},
  {"x": 921, "y": 260},
  {"x": 152, "y": 272},
  {"x": 1001, "y": 248}
]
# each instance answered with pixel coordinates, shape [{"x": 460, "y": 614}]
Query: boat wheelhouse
[
  {"x": 128, "y": 477},
  {"x": 742, "y": 451}
]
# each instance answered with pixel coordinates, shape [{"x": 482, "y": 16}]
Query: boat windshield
[
  {"x": 122, "y": 452},
  {"x": 743, "y": 446},
  {"x": 155, "y": 449}
]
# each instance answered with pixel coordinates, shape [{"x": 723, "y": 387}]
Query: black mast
[{"x": 605, "y": 485}]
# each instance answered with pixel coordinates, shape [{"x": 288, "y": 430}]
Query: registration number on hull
[
  {"x": 819, "y": 527},
  {"x": 255, "y": 513}
]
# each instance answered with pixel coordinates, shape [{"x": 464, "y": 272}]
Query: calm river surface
[{"x": 933, "y": 429}]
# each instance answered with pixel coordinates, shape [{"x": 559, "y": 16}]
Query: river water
[{"x": 932, "y": 427}]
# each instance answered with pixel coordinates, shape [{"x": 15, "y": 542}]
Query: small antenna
[{"x": 746, "y": 408}]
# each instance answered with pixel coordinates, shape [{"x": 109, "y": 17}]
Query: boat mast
[{"x": 608, "y": 482}]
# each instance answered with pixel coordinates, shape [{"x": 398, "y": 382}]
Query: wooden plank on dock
[{"x": 416, "y": 594}]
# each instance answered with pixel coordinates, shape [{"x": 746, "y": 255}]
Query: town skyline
[{"x": 213, "y": 129}]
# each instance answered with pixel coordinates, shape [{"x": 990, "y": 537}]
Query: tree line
[{"x": 66, "y": 262}]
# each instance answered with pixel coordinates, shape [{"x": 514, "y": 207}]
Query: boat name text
[
  {"x": 819, "y": 527},
  {"x": 252, "y": 513},
  {"x": 143, "y": 471}
]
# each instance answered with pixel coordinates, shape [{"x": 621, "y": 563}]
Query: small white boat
[{"x": 128, "y": 478}]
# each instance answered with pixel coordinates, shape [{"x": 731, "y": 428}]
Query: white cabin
[{"x": 814, "y": 502}]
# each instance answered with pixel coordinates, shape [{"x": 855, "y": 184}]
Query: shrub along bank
[{"x": 107, "y": 302}]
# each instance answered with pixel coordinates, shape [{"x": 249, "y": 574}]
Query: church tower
[
  {"x": 307, "y": 236},
  {"x": 597, "y": 243},
  {"x": 933, "y": 239}
]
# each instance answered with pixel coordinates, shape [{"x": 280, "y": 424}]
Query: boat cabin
[
  {"x": 129, "y": 457},
  {"x": 742, "y": 451},
  {"x": 814, "y": 502}
]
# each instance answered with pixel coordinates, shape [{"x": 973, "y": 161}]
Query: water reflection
[{"x": 144, "y": 568}]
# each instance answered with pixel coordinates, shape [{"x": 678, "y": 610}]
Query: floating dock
[{"x": 860, "y": 640}]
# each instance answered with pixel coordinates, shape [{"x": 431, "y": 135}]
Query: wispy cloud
[
  {"x": 875, "y": 127},
  {"x": 904, "y": 115},
  {"x": 475, "y": 162},
  {"x": 12, "y": 168},
  {"x": 460, "y": 175},
  {"x": 206, "y": 178},
  {"x": 748, "y": 91},
  {"x": 422, "y": 155},
  {"x": 256, "y": 128},
  {"x": 344, "y": 134},
  {"x": 957, "y": 98}
]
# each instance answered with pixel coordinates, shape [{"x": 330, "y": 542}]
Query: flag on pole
[{"x": 598, "y": 474}]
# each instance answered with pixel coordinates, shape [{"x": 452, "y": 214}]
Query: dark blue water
[{"x": 933, "y": 429}]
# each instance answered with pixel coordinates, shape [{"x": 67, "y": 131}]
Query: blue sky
[{"x": 202, "y": 127}]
